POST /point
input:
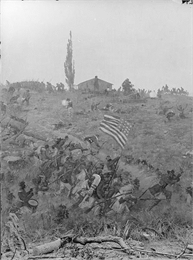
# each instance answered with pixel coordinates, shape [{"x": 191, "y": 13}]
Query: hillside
[{"x": 162, "y": 143}]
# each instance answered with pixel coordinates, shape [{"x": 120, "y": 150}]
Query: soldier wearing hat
[
  {"x": 26, "y": 97},
  {"x": 69, "y": 107},
  {"x": 24, "y": 195},
  {"x": 166, "y": 179}
]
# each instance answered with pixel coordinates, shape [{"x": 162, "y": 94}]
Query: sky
[{"x": 148, "y": 41}]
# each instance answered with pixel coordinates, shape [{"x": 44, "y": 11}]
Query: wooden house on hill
[{"x": 95, "y": 85}]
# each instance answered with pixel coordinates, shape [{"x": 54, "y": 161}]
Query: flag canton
[{"x": 124, "y": 127}]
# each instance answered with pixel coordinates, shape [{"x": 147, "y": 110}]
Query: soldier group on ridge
[{"x": 92, "y": 186}]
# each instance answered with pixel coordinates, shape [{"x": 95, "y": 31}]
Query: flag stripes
[
  {"x": 116, "y": 128},
  {"x": 111, "y": 130}
]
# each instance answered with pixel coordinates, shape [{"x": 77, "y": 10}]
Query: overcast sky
[{"x": 147, "y": 41}]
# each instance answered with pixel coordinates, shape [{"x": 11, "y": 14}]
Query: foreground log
[
  {"x": 85, "y": 240},
  {"x": 55, "y": 245},
  {"x": 46, "y": 248},
  {"x": 49, "y": 247}
]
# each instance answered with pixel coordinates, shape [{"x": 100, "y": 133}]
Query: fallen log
[
  {"x": 49, "y": 247},
  {"x": 46, "y": 248},
  {"x": 85, "y": 240},
  {"x": 55, "y": 245}
]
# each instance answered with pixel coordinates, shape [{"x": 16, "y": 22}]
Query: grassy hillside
[{"x": 161, "y": 142}]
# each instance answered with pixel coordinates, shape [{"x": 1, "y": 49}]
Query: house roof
[{"x": 94, "y": 79}]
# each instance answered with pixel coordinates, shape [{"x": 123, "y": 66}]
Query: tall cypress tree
[{"x": 69, "y": 64}]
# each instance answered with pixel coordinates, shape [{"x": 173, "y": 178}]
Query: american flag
[{"x": 117, "y": 128}]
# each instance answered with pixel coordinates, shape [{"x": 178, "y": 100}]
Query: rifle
[{"x": 119, "y": 195}]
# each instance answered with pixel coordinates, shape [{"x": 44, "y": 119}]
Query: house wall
[{"x": 89, "y": 85}]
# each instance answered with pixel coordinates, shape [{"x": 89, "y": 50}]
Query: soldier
[
  {"x": 65, "y": 176},
  {"x": 150, "y": 167},
  {"x": 170, "y": 114},
  {"x": 24, "y": 195},
  {"x": 112, "y": 163},
  {"x": 41, "y": 183},
  {"x": 26, "y": 97},
  {"x": 60, "y": 142},
  {"x": 89, "y": 192},
  {"x": 99, "y": 168},
  {"x": 45, "y": 153},
  {"x": 11, "y": 89},
  {"x": 124, "y": 200},
  {"x": 166, "y": 179},
  {"x": 69, "y": 107},
  {"x": 96, "y": 84},
  {"x": 138, "y": 161},
  {"x": 3, "y": 107},
  {"x": 144, "y": 162},
  {"x": 85, "y": 189},
  {"x": 189, "y": 191}
]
